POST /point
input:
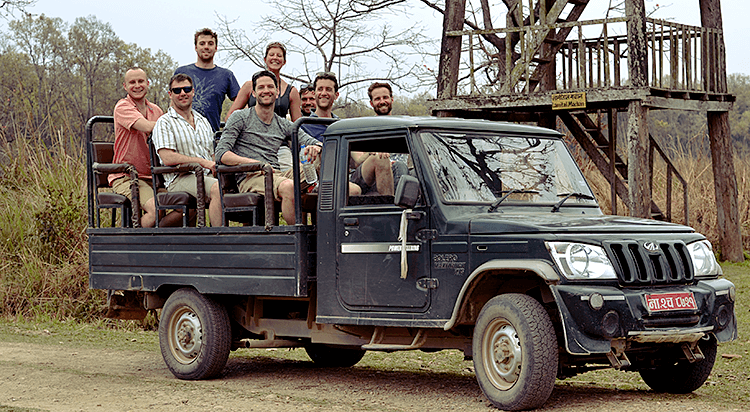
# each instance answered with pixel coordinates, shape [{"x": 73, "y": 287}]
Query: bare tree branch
[{"x": 353, "y": 39}]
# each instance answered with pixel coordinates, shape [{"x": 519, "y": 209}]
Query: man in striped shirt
[{"x": 183, "y": 135}]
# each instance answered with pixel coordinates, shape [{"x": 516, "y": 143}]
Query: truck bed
[{"x": 222, "y": 260}]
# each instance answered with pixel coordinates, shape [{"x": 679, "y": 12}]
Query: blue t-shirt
[
  {"x": 211, "y": 85},
  {"x": 316, "y": 130}
]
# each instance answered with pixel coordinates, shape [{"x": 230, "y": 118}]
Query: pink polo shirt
[{"x": 130, "y": 144}]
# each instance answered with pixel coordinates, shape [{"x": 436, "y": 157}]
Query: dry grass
[
  {"x": 43, "y": 218},
  {"x": 698, "y": 174}
]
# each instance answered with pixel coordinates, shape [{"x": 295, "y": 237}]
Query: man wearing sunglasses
[
  {"x": 212, "y": 83},
  {"x": 254, "y": 134},
  {"x": 307, "y": 98},
  {"x": 182, "y": 136},
  {"x": 135, "y": 117}
]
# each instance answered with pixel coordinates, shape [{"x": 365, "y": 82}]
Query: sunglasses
[{"x": 178, "y": 90}]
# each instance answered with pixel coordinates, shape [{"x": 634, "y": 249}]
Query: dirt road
[{"x": 65, "y": 378}]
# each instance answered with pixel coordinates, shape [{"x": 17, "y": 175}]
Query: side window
[{"x": 375, "y": 168}]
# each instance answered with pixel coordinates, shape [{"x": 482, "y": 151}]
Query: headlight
[
  {"x": 581, "y": 261},
  {"x": 704, "y": 261}
]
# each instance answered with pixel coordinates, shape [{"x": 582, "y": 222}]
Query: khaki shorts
[
  {"x": 256, "y": 182},
  {"x": 121, "y": 186},
  {"x": 188, "y": 183}
]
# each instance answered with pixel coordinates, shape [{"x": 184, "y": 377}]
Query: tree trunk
[
  {"x": 722, "y": 158},
  {"x": 637, "y": 46},
  {"x": 450, "y": 50},
  {"x": 639, "y": 172}
]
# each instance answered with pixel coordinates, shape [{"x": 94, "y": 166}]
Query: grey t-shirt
[{"x": 246, "y": 135}]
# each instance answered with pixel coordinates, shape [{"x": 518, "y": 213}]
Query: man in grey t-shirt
[{"x": 255, "y": 135}]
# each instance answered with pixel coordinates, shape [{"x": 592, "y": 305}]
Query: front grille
[{"x": 667, "y": 264}]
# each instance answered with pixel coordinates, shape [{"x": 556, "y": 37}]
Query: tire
[
  {"x": 194, "y": 335},
  {"x": 333, "y": 356},
  {"x": 682, "y": 376},
  {"x": 515, "y": 352}
]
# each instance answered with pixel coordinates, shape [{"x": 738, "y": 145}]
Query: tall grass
[
  {"x": 43, "y": 218},
  {"x": 697, "y": 171}
]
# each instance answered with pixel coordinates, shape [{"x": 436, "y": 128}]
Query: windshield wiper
[
  {"x": 579, "y": 195},
  {"x": 508, "y": 193}
]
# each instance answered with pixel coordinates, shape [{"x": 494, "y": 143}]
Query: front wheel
[
  {"x": 682, "y": 376},
  {"x": 194, "y": 335},
  {"x": 515, "y": 352}
]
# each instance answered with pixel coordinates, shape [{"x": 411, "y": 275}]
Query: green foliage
[
  {"x": 56, "y": 76},
  {"x": 43, "y": 254}
]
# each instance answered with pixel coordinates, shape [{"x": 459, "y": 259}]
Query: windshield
[{"x": 473, "y": 167}]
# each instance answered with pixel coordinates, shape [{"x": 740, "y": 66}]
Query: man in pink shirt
[{"x": 134, "y": 120}]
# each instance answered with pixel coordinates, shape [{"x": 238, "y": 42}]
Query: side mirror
[{"x": 407, "y": 192}]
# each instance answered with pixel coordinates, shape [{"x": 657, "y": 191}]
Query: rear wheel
[
  {"x": 194, "y": 335},
  {"x": 333, "y": 356},
  {"x": 515, "y": 352},
  {"x": 682, "y": 376}
]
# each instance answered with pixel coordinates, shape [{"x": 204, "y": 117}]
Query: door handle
[{"x": 351, "y": 221}]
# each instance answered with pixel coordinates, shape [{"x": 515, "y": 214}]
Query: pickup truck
[{"x": 493, "y": 244}]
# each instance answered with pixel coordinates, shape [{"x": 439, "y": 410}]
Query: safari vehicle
[{"x": 493, "y": 245}]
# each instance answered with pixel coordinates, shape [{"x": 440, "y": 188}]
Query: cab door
[{"x": 369, "y": 276}]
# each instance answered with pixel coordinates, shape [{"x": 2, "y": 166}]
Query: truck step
[{"x": 379, "y": 335}]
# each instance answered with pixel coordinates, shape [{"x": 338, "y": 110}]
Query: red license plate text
[{"x": 670, "y": 301}]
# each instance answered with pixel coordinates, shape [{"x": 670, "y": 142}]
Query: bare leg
[
  {"x": 378, "y": 169},
  {"x": 149, "y": 216},
  {"x": 286, "y": 193},
  {"x": 214, "y": 206}
]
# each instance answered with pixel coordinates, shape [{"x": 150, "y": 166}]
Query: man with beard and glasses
[
  {"x": 254, "y": 134},
  {"x": 212, "y": 83},
  {"x": 182, "y": 136}
]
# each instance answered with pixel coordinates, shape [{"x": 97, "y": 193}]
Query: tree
[
  {"x": 9, "y": 7},
  {"x": 91, "y": 51},
  {"x": 41, "y": 40},
  {"x": 55, "y": 78},
  {"x": 350, "y": 38}
]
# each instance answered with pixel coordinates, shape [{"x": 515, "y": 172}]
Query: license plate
[{"x": 670, "y": 301}]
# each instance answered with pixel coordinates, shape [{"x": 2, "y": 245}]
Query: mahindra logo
[{"x": 651, "y": 246}]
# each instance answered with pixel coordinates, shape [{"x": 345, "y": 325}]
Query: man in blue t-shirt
[{"x": 211, "y": 82}]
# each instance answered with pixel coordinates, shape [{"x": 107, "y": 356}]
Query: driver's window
[{"x": 375, "y": 168}]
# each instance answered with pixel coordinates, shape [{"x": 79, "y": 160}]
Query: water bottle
[{"x": 311, "y": 176}]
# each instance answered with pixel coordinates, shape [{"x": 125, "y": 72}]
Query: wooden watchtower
[{"x": 545, "y": 65}]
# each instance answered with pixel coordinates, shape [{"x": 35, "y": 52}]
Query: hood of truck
[{"x": 498, "y": 223}]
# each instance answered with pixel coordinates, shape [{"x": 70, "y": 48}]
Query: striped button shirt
[{"x": 172, "y": 131}]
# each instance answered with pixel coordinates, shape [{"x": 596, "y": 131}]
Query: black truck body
[{"x": 506, "y": 257}]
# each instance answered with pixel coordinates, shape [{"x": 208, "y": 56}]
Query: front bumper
[{"x": 594, "y": 315}]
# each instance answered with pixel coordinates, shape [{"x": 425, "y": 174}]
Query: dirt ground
[{"x": 65, "y": 378}]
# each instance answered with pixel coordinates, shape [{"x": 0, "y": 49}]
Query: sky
[{"x": 169, "y": 25}]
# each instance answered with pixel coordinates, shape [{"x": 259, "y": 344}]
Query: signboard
[{"x": 566, "y": 101}]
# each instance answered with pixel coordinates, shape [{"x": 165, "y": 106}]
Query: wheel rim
[
  {"x": 502, "y": 355},
  {"x": 185, "y": 335}
]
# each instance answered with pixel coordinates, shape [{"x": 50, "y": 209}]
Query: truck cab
[{"x": 492, "y": 243}]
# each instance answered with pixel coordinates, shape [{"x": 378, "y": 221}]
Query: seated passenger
[
  {"x": 379, "y": 171},
  {"x": 372, "y": 172},
  {"x": 134, "y": 119},
  {"x": 184, "y": 136},
  {"x": 254, "y": 134}
]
